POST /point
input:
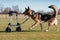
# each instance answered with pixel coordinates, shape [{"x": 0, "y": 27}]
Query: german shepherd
[{"x": 39, "y": 17}]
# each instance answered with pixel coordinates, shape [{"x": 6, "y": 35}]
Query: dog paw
[
  {"x": 45, "y": 30},
  {"x": 57, "y": 30}
]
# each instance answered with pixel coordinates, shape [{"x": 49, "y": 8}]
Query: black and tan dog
[{"x": 39, "y": 17}]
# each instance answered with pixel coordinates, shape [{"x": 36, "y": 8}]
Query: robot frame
[{"x": 18, "y": 28}]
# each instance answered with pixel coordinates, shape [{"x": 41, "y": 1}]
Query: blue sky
[{"x": 34, "y": 4}]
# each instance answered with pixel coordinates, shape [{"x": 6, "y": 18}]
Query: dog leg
[
  {"x": 50, "y": 23},
  {"x": 48, "y": 27},
  {"x": 54, "y": 22},
  {"x": 35, "y": 24},
  {"x": 41, "y": 27},
  {"x": 56, "y": 25},
  {"x": 57, "y": 28},
  {"x": 37, "y": 21}
]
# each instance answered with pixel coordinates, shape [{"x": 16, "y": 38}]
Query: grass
[
  {"x": 34, "y": 34},
  {"x": 29, "y": 36}
]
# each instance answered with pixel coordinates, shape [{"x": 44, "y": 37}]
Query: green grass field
[{"x": 26, "y": 34}]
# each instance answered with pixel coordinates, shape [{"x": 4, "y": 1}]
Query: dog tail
[{"x": 55, "y": 10}]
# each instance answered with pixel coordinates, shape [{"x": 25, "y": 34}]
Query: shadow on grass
[
  {"x": 31, "y": 31},
  {"x": 25, "y": 31}
]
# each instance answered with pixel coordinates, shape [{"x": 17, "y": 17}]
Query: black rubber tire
[
  {"x": 18, "y": 29},
  {"x": 8, "y": 29}
]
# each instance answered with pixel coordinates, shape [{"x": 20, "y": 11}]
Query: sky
[{"x": 33, "y": 4}]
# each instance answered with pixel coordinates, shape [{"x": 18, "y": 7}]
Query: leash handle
[{"x": 25, "y": 21}]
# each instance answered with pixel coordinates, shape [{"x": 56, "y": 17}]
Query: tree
[
  {"x": 1, "y": 8},
  {"x": 59, "y": 12},
  {"x": 6, "y": 10},
  {"x": 15, "y": 8}
]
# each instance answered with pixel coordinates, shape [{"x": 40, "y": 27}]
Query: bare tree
[
  {"x": 16, "y": 8},
  {"x": 1, "y": 8},
  {"x": 59, "y": 12},
  {"x": 6, "y": 10}
]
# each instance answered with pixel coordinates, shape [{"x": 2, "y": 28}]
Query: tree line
[{"x": 16, "y": 8}]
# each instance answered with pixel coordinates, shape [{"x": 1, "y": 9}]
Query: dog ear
[
  {"x": 28, "y": 7},
  {"x": 25, "y": 8}
]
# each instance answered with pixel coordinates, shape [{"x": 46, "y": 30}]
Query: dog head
[{"x": 28, "y": 11}]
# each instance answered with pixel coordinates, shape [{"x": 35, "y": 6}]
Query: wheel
[
  {"x": 18, "y": 29},
  {"x": 8, "y": 29}
]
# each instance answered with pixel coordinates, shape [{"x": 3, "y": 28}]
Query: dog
[{"x": 39, "y": 17}]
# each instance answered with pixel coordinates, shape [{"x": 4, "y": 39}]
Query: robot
[{"x": 18, "y": 27}]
